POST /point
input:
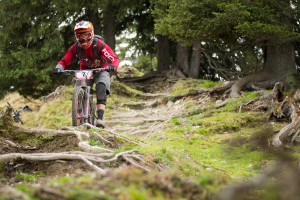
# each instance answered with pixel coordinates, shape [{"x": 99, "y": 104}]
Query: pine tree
[{"x": 238, "y": 28}]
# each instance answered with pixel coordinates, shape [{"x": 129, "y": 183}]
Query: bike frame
[{"x": 81, "y": 82}]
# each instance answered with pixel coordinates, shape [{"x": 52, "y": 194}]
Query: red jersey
[{"x": 88, "y": 60}]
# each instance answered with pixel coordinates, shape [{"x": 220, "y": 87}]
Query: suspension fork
[{"x": 87, "y": 102}]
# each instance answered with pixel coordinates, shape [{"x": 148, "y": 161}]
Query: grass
[
  {"x": 29, "y": 177},
  {"x": 52, "y": 114},
  {"x": 124, "y": 90},
  {"x": 213, "y": 141},
  {"x": 94, "y": 142},
  {"x": 194, "y": 153},
  {"x": 225, "y": 122},
  {"x": 183, "y": 86},
  {"x": 124, "y": 183},
  {"x": 207, "y": 145}
]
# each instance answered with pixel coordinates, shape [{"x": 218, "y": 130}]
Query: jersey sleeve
[
  {"x": 69, "y": 56},
  {"x": 107, "y": 54}
]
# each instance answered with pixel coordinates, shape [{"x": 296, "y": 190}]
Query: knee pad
[{"x": 101, "y": 93}]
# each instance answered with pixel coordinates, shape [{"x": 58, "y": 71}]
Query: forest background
[
  {"x": 252, "y": 44},
  {"x": 211, "y": 39}
]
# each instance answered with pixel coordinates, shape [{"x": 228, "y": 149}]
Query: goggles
[{"x": 82, "y": 37}]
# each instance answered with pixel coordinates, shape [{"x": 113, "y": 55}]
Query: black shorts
[{"x": 103, "y": 77}]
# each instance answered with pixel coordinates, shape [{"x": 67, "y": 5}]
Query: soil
[
  {"x": 50, "y": 169},
  {"x": 132, "y": 118},
  {"x": 136, "y": 119}
]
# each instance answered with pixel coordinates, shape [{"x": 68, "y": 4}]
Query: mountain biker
[{"x": 105, "y": 58}]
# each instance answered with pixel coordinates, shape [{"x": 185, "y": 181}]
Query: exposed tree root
[
  {"x": 138, "y": 121},
  {"x": 54, "y": 94},
  {"x": 174, "y": 72},
  {"x": 110, "y": 132},
  {"x": 92, "y": 156},
  {"x": 292, "y": 129},
  {"x": 237, "y": 86},
  {"x": 151, "y": 129},
  {"x": 280, "y": 108},
  {"x": 289, "y": 109},
  {"x": 141, "y": 79},
  {"x": 224, "y": 89},
  {"x": 140, "y": 105},
  {"x": 89, "y": 159}
]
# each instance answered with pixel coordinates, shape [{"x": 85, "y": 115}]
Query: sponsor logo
[
  {"x": 96, "y": 63},
  {"x": 107, "y": 55}
]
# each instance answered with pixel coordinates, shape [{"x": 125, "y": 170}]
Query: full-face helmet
[{"x": 84, "y": 33}]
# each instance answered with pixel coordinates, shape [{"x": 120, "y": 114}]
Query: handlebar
[{"x": 97, "y": 70}]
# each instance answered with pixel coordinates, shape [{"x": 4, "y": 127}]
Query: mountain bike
[
  {"x": 16, "y": 113},
  {"x": 83, "y": 106}
]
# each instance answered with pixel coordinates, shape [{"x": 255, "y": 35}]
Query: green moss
[
  {"x": 209, "y": 145},
  {"x": 61, "y": 180},
  {"x": 236, "y": 104},
  {"x": 56, "y": 113},
  {"x": 135, "y": 192},
  {"x": 169, "y": 98},
  {"x": 125, "y": 148},
  {"x": 33, "y": 140},
  {"x": 29, "y": 177},
  {"x": 184, "y": 86},
  {"x": 122, "y": 89},
  {"x": 175, "y": 121},
  {"x": 79, "y": 188},
  {"x": 209, "y": 84},
  {"x": 194, "y": 111},
  {"x": 95, "y": 142},
  {"x": 85, "y": 179},
  {"x": 46, "y": 137},
  {"x": 28, "y": 191},
  {"x": 293, "y": 81},
  {"x": 194, "y": 149},
  {"x": 82, "y": 193},
  {"x": 211, "y": 181},
  {"x": 224, "y": 122}
]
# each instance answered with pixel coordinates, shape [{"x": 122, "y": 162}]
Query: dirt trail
[
  {"x": 143, "y": 117},
  {"x": 131, "y": 121}
]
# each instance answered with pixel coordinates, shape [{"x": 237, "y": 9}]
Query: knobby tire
[
  {"x": 91, "y": 119},
  {"x": 78, "y": 107}
]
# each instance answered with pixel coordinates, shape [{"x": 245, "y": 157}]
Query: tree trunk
[
  {"x": 163, "y": 55},
  {"x": 195, "y": 62},
  {"x": 182, "y": 58},
  {"x": 93, "y": 17},
  {"x": 279, "y": 64},
  {"x": 280, "y": 60},
  {"x": 109, "y": 30}
]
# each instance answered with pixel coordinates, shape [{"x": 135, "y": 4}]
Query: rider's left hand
[{"x": 110, "y": 68}]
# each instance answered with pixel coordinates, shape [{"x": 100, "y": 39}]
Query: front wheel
[
  {"x": 92, "y": 115},
  {"x": 78, "y": 112}
]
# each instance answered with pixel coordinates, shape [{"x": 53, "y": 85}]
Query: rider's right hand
[{"x": 59, "y": 69}]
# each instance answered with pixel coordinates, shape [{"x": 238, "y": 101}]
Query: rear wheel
[{"x": 78, "y": 107}]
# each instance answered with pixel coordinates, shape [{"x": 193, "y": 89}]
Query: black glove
[
  {"x": 110, "y": 68},
  {"x": 59, "y": 69}
]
